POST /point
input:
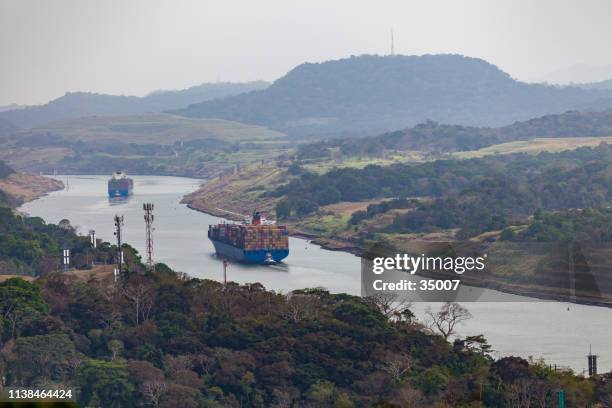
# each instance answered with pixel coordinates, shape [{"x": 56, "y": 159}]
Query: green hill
[
  {"x": 433, "y": 137},
  {"x": 148, "y": 128},
  {"x": 78, "y": 104},
  {"x": 367, "y": 94},
  {"x": 153, "y": 143}
]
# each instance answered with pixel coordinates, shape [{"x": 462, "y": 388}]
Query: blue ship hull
[
  {"x": 119, "y": 192},
  {"x": 258, "y": 256}
]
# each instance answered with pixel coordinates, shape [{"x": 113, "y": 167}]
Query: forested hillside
[
  {"x": 435, "y": 137},
  {"x": 153, "y": 339},
  {"x": 474, "y": 195},
  {"x": 368, "y": 94}
]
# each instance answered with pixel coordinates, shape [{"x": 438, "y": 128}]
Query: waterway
[{"x": 560, "y": 333}]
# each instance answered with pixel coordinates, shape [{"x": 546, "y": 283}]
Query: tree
[
  {"x": 140, "y": 293},
  {"x": 115, "y": 347},
  {"x": 447, "y": 318},
  {"x": 20, "y": 300},
  {"x": 107, "y": 381},
  {"x": 397, "y": 365},
  {"x": 283, "y": 209},
  {"x": 390, "y": 306},
  {"x": 44, "y": 358}
]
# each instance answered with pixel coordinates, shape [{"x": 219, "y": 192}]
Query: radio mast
[
  {"x": 148, "y": 217},
  {"x": 118, "y": 227},
  {"x": 392, "y": 44}
]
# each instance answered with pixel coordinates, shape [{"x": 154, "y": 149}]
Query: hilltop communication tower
[
  {"x": 118, "y": 227},
  {"x": 148, "y": 217},
  {"x": 592, "y": 359}
]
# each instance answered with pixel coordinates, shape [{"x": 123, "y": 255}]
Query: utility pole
[
  {"x": 66, "y": 260},
  {"x": 592, "y": 360},
  {"x": 118, "y": 227},
  {"x": 148, "y": 217},
  {"x": 225, "y": 264},
  {"x": 94, "y": 244}
]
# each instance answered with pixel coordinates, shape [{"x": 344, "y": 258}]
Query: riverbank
[
  {"x": 239, "y": 193},
  {"x": 536, "y": 292},
  {"x": 22, "y": 187}
]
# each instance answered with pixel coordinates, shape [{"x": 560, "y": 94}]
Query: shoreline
[
  {"x": 512, "y": 289},
  {"x": 25, "y": 187}
]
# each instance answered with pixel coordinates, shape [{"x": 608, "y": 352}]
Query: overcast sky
[{"x": 134, "y": 47}]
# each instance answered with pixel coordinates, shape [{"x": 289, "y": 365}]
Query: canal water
[{"x": 560, "y": 333}]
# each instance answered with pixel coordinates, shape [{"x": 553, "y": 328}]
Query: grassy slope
[
  {"x": 535, "y": 146},
  {"x": 239, "y": 192},
  {"x": 157, "y": 128},
  {"x": 27, "y": 187},
  {"x": 146, "y": 129}
]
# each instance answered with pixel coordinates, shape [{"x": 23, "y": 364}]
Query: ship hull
[
  {"x": 119, "y": 192},
  {"x": 257, "y": 256}
]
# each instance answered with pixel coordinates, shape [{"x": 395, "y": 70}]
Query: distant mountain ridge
[
  {"x": 6, "y": 127},
  {"x": 607, "y": 84},
  {"x": 368, "y": 94},
  {"x": 79, "y": 104},
  {"x": 433, "y": 137}
]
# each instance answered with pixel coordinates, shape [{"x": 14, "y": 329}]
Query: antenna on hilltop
[{"x": 392, "y": 44}]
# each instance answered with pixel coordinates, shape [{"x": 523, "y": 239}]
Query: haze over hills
[
  {"x": 12, "y": 106},
  {"x": 146, "y": 128},
  {"x": 79, "y": 104},
  {"x": 607, "y": 84},
  {"x": 6, "y": 127},
  {"x": 578, "y": 74},
  {"x": 369, "y": 94}
]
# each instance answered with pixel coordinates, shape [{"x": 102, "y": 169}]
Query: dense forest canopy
[{"x": 474, "y": 195}]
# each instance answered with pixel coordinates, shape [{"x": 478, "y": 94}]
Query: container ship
[
  {"x": 254, "y": 241},
  {"x": 120, "y": 185}
]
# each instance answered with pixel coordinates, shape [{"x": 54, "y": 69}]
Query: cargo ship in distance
[
  {"x": 255, "y": 240},
  {"x": 120, "y": 185}
]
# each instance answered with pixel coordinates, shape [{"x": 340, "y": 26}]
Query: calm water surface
[{"x": 539, "y": 329}]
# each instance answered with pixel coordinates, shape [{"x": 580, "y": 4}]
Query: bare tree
[
  {"x": 447, "y": 318},
  {"x": 153, "y": 390},
  {"x": 397, "y": 365},
  {"x": 300, "y": 306},
  {"x": 140, "y": 294},
  {"x": 519, "y": 394},
  {"x": 408, "y": 397},
  {"x": 389, "y": 304}
]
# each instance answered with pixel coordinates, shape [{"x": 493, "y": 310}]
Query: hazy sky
[{"x": 133, "y": 47}]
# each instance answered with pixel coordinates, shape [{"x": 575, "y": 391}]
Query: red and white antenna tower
[{"x": 148, "y": 217}]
